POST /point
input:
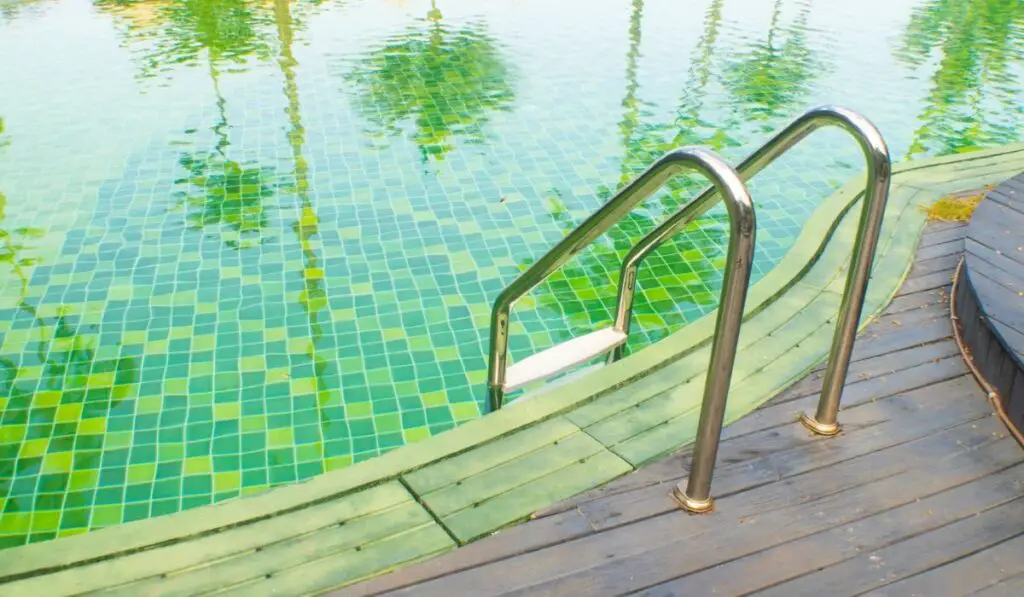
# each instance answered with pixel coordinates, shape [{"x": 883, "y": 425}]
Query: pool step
[{"x": 562, "y": 357}]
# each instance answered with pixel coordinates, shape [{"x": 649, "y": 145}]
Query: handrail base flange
[
  {"x": 692, "y": 505},
  {"x": 818, "y": 428}
]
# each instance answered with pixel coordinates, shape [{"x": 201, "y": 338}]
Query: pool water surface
[{"x": 248, "y": 242}]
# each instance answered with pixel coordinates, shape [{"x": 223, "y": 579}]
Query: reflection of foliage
[
  {"x": 224, "y": 193},
  {"x": 646, "y": 142},
  {"x": 979, "y": 40},
  {"x": 12, "y": 246},
  {"x": 10, "y": 10},
  {"x": 677, "y": 273},
  {"x": 218, "y": 190},
  {"x": 73, "y": 373},
  {"x": 773, "y": 76},
  {"x": 313, "y": 297},
  {"x": 445, "y": 79},
  {"x": 12, "y": 242},
  {"x": 70, "y": 371},
  {"x": 179, "y": 32},
  {"x": 585, "y": 290}
]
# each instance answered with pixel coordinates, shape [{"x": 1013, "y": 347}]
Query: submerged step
[{"x": 562, "y": 357}]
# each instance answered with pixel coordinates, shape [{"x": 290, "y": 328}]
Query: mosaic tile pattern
[{"x": 277, "y": 255}]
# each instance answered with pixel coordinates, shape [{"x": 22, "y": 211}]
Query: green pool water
[{"x": 245, "y": 243}]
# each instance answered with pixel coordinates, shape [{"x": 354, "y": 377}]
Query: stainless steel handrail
[
  {"x": 737, "y": 274},
  {"x": 696, "y": 496}
]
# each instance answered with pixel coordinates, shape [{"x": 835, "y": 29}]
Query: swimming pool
[{"x": 248, "y": 242}]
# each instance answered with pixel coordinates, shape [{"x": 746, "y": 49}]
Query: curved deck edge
[
  {"x": 989, "y": 303},
  {"x": 468, "y": 482}
]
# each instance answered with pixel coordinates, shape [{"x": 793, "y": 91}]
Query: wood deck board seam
[
  {"x": 877, "y": 547},
  {"x": 954, "y": 560},
  {"x": 925, "y": 439},
  {"x": 980, "y": 416},
  {"x": 663, "y": 547},
  {"x": 428, "y": 509},
  {"x": 928, "y": 433}
]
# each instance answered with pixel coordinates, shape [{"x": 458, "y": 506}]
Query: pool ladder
[{"x": 727, "y": 184}]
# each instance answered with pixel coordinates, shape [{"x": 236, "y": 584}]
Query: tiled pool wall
[{"x": 248, "y": 242}]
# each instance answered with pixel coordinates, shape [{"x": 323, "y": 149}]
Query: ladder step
[{"x": 561, "y": 357}]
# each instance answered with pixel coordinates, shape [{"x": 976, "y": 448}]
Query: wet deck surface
[{"x": 922, "y": 493}]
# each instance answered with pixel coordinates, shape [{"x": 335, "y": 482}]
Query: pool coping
[{"x": 546, "y": 404}]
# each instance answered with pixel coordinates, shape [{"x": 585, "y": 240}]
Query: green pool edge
[{"x": 545, "y": 404}]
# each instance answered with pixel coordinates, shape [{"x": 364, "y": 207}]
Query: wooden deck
[
  {"x": 988, "y": 299},
  {"x": 922, "y": 493}
]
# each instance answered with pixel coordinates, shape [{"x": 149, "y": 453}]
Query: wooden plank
[
  {"x": 514, "y": 476},
  {"x": 865, "y": 460},
  {"x": 1011, "y": 337},
  {"x": 1014, "y": 187},
  {"x": 687, "y": 396},
  {"x": 506, "y": 508},
  {"x": 356, "y": 508},
  {"x": 1007, "y": 197},
  {"x": 997, "y": 251},
  {"x": 1007, "y": 279},
  {"x": 327, "y": 573},
  {"x": 618, "y": 400},
  {"x": 867, "y": 550},
  {"x": 889, "y": 323},
  {"x": 493, "y": 454},
  {"x": 988, "y": 513},
  {"x": 929, "y": 266},
  {"x": 967, "y": 176},
  {"x": 861, "y": 370},
  {"x": 916, "y": 335},
  {"x": 647, "y": 552},
  {"x": 339, "y": 543},
  {"x": 864, "y": 370},
  {"x": 509, "y": 542},
  {"x": 966, "y": 575},
  {"x": 467, "y": 491},
  {"x": 917, "y": 300},
  {"x": 830, "y": 271},
  {"x": 1011, "y": 587},
  {"x": 938, "y": 279},
  {"x": 930, "y": 374},
  {"x": 953, "y": 247},
  {"x": 955, "y": 231},
  {"x": 938, "y": 225},
  {"x": 922, "y": 167},
  {"x": 999, "y": 301},
  {"x": 997, "y": 217}
]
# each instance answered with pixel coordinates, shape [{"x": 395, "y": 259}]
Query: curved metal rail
[
  {"x": 501, "y": 378},
  {"x": 696, "y": 496}
]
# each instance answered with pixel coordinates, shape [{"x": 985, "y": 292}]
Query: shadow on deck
[{"x": 922, "y": 493}]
